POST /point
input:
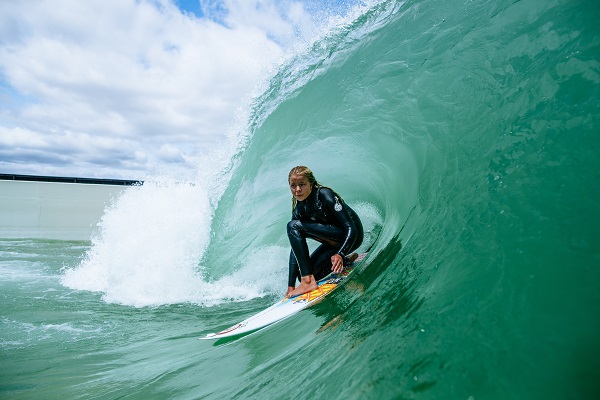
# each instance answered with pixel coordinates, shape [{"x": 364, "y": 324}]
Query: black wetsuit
[{"x": 326, "y": 218}]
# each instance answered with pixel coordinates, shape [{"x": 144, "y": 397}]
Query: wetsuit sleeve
[
  {"x": 337, "y": 210},
  {"x": 294, "y": 269},
  {"x": 294, "y": 272}
]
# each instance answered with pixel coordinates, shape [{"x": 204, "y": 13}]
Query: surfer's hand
[{"x": 337, "y": 263}]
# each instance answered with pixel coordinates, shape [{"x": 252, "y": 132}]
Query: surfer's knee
[{"x": 294, "y": 227}]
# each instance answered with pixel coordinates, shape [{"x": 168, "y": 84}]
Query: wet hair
[{"x": 305, "y": 172}]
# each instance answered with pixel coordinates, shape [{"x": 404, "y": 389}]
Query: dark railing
[{"x": 64, "y": 179}]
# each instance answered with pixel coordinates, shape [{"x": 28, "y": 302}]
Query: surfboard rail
[{"x": 288, "y": 306}]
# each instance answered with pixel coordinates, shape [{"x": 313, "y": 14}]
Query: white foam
[
  {"x": 149, "y": 248},
  {"x": 149, "y": 243}
]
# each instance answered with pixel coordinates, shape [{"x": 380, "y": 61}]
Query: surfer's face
[{"x": 300, "y": 187}]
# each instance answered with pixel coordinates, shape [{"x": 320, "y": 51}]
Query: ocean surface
[{"x": 467, "y": 136}]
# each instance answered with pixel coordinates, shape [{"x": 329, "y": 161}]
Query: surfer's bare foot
[{"x": 307, "y": 284}]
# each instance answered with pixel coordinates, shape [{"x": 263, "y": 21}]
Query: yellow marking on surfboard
[
  {"x": 323, "y": 289},
  {"x": 320, "y": 291}
]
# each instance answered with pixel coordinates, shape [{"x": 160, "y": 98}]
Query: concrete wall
[{"x": 53, "y": 210}]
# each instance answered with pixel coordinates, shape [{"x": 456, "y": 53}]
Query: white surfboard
[{"x": 288, "y": 306}]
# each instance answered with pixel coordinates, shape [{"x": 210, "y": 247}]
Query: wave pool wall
[{"x": 59, "y": 208}]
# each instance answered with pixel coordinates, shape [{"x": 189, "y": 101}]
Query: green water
[{"x": 466, "y": 134}]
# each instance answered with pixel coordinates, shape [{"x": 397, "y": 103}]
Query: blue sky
[
  {"x": 311, "y": 6},
  {"x": 123, "y": 88},
  {"x": 191, "y": 6}
]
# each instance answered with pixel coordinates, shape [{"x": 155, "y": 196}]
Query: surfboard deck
[{"x": 288, "y": 306}]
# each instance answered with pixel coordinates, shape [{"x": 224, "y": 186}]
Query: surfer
[{"x": 318, "y": 213}]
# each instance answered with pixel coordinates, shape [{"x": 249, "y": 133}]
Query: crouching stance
[{"x": 320, "y": 214}]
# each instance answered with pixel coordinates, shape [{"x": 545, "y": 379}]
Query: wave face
[{"x": 465, "y": 133}]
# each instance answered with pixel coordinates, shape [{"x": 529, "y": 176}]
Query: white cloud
[
  {"x": 118, "y": 88},
  {"x": 170, "y": 153}
]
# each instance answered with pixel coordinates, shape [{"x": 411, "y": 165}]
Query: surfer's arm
[
  {"x": 338, "y": 210},
  {"x": 294, "y": 271}
]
